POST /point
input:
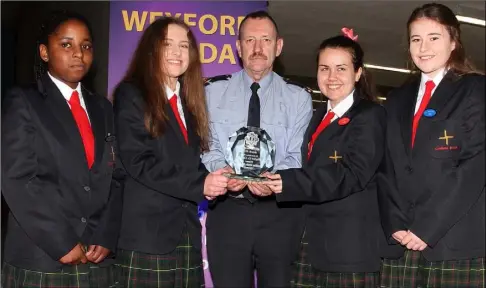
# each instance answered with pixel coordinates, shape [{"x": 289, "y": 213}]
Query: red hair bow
[{"x": 349, "y": 33}]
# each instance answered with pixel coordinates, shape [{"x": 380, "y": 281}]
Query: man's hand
[
  {"x": 75, "y": 256},
  {"x": 234, "y": 185},
  {"x": 274, "y": 182},
  {"x": 413, "y": 242},
  {"x": 259, "y": 189},
  {"x": 97, "y": 253}
]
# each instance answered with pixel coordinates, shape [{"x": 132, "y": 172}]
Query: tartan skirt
[
  {"x": 413, "y": 270},
  {"x": 177, "y": 269},
  {"x": 78, "y": 276},
  {"x": 304, "y": 275}
]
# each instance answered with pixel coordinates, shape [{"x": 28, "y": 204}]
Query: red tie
[
  {"x": 84, "y": 127},
  {"x": 429, "y": 86},
  {"x": 173, "y": 104},
  {"x": 324, "y": 123}
]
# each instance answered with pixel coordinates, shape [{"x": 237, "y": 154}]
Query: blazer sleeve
[
  {"x": 390, "y": 202},
  {"x": 326, "y": 181},
  {"x": 153, "y": 170},
  {"x": 463, "y": 184},
  {"x": 29, "y": 193},
  {"x": 108, "y": 229}
]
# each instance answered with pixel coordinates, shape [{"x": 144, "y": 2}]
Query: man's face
[{"x": 258, "y": 45}]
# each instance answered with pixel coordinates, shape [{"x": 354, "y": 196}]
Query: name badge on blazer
[
  {"x": 429, "y": 113},
  {"x": 343, "y": 121}
]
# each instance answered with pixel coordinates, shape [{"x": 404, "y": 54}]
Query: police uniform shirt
[{"x": 285, "y": 112}]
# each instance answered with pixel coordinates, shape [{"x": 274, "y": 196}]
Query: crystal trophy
[{"x": 250, "y": 151}]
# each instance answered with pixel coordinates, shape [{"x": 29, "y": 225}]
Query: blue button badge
[{"x": 430, "y": 113}]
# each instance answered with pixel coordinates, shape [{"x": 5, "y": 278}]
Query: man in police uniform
[{"x": 244, "y": 229}]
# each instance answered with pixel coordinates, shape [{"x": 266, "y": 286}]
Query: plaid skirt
[
  {"x": 304, "y": 275},
  {"x": 77, "y": 276},
  {"x": 413, "y": 270},
  {"x": 177, "y": 269}
]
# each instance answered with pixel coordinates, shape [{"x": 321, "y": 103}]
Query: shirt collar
[
  {"x": 343, "y": 106},
  {"x": 171, "y": 93},
  {"x": 66, "y": 91},
  {"x": 436, "y": 79},
  {"x": 264, "y": 82}
]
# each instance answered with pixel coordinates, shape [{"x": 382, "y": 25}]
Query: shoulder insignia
[
  {"x": 210, "y": 80},
  {"x": 292, "y": 82}
]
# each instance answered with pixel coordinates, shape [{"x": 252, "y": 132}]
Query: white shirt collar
[
  {"x": 66, "y": 91},
  {"x": 343, "y": 106},
  {"x": 436, "y": 79},
  {"x": 171, "y": 93}
]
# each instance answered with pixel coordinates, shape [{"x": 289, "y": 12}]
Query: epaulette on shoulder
[
  {"x": 292, "y": 82},
  {"x": 216, "y": 78}
]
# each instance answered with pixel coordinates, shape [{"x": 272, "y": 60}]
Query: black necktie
[
  {"x": 254, "y": 107},
  {"x": 254, "y": 121}
]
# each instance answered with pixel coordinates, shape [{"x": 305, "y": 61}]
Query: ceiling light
[
  {"x": 371, "y": 66},
  {"x": 470, "y": 20}
]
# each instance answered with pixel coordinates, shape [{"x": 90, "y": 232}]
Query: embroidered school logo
[
  {"x": 447, "y": 139},
  {"x": 335, "y": 157}
]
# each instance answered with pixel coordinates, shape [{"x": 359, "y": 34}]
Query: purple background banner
[{"x": 215, "y": 26}]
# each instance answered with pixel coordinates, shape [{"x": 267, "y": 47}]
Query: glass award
[{"x": 250, "y": 152}]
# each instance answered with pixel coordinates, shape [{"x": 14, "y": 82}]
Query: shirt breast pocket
[
  {"x": 277, "y": 118},
  {"x": 444, "y": 139},
  {"x": 226, "y": 117}
]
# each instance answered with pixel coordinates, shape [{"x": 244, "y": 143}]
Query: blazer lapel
[
  {"x": 335, "y": 127},
  {"x": 311, "y": 128},
  {"x": 97, "y": 119},
  {"x": 61, "y": 111},
  {"x": 442, "y": 95},
  {"x": 408, "y": 111},
  {"x": 174, "y": 124},
  {"x": 192, "y": 136}
]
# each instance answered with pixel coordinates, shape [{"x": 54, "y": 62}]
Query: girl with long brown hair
[
  {"x": 162, "y": 126},
  {"x": 431, "y": 187}
]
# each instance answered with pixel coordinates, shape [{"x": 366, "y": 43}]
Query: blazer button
[
  {"x": 87, "y": 188},
  {"x": 184, "y": 205},
  {"x": 83, "y": 219},
  {"x": 409, "y": 169}
]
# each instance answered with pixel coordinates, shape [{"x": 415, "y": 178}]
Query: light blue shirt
[{"x": 285, "y": 112}]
